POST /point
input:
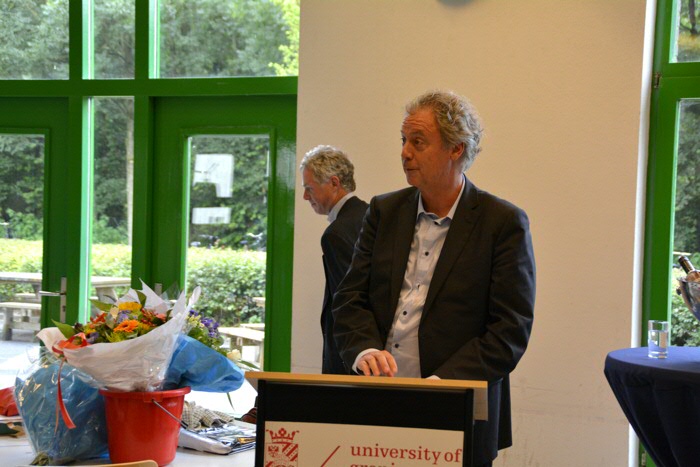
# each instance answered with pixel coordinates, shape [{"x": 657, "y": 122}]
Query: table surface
[
  {"x": 681, "y": 365},
  {"x": 244, "y": 332},
  {"x": 18, "y": 452},
  {"x": 660, "y": 400},
  {"x": 30, "y": 277},
  {"x": 36, "y": 277}
]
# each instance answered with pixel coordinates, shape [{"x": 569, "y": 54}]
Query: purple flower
[
  {"x": 212, "y": 326},
  {"x": 92, "y": 337},
  {"x": 193, "y": 313},
  {"x": 122, "y": 316}
]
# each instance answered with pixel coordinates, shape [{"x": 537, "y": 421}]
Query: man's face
[
  {"x": 427, "y": 163},
  {"x": 321, "y": 196}
]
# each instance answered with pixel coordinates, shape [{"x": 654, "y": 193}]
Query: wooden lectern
[{"x": 340, "y": 406}]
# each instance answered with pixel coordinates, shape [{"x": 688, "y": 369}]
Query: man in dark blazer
[
  {"x": 442, "y": 281},
  {"x": 328, "y": 180}
]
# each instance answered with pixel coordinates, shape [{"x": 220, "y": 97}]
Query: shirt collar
[
  {"x": 338, "y": 206},
  {"x": 451, "y": 213}
]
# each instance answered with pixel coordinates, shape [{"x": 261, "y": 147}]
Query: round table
[{"x": 661, "y": 400}]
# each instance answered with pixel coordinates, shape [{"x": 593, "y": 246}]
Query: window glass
[
  {"x": 22, "y": 201},
  {"x": 21, "y": 246},
  {"x": 113, "y": 38},
  {"x": 228, "y": 235},
  {"x": 34, "y": 39},
  {"x": 112, "y": 206},
  {"x": 687, "y": 42},
  {"x": 211, "y": 38},
  {"x": 685, "y": 329}
]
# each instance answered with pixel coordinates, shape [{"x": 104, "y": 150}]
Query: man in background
[
  {"x": 442, "y": 281},
  {"x": 329, "y": 185}
]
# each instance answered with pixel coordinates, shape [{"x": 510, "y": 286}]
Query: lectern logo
[{"x": 281, "y": 450}]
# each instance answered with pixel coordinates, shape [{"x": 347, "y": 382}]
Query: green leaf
[
  {"x": 249, "y": 365},
  {"x": 101, "y": 305},
  {"x": 142, "y": 297},
  {"x": 65, "y": 329}
]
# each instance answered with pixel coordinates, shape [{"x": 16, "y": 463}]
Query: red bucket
[{"x": 143, "y": 425}]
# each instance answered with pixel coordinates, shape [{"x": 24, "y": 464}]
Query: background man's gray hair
[
  {"x": 457, "y": 121},
  {"x": 326, "y": 161}
]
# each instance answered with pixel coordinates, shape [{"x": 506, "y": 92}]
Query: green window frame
[
  {"x": 146, "y": 89},
  {"x": 671, "y": 83}
]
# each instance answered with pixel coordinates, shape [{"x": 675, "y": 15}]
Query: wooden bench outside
[
  {"x": 27, "y": 297},
  {"x": 243, "y": 337},
  {"x": 20, "y": 315},
  {"x": 243, "y": 333}
]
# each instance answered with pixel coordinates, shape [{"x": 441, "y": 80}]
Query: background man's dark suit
[
  {"x": 337, "y": 243},
  {"x": 478, "y": 312}
]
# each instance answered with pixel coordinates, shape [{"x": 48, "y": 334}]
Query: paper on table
[{"x": 191, "y": 440}]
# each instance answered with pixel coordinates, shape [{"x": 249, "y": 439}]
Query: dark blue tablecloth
[{"x": 661, "y": 399}]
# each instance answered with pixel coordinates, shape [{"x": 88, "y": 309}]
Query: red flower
[{"x": 99, "y": 319}]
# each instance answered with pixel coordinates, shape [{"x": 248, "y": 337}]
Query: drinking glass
[{"x": 658, "y": 339}]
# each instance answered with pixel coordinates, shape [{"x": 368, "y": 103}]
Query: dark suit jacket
[
  {"x": 337, "y": 243},
  {"x": 478, "y": 313}
]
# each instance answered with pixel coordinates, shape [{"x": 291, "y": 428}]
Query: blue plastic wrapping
[
  {"x": 193, "y": 364},
  {"x": 203, "y": 369},
  {"x": 35, "y": 393}
]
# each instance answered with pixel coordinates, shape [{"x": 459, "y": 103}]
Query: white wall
[{"x": 558, "y": 85}]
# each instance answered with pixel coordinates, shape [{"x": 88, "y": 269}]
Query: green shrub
[
  {"x": 230, "y": 279},
  {"x": 25, "y": 225},
  {"x": 685, "y": 329},
  {"x": 111, "y": 260},
  {"x": 18, "y": 255},
  {"x": 102, "y": 232}
]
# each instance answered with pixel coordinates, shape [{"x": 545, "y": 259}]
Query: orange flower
[{"x": 128, "y": 325}]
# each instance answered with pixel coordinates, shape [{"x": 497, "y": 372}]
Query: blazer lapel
[
  {"x": 405, "y": 227},
  {"x": 461, "y": 228}
]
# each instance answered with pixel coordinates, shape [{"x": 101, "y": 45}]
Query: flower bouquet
[
  {"x": 128, "y": 346},
  {"x": 140, "y": 343}
]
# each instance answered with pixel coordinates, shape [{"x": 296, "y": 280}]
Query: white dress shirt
[{"x": 333, "y": 214}]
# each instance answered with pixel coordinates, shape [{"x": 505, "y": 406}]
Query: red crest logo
[{"x": 280, "y": 449}]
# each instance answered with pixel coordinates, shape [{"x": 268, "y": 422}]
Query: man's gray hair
[
  {"x": 456, "y": 118},
  {"x": 326, "y": 161}
]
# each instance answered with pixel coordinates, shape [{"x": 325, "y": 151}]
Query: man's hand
[{"x": 378, "y": 363}]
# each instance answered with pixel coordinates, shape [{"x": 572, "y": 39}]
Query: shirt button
[
  {"x": 405, "y": 312},
  {"x": 426, "y": 253},
  {"x": 396, "y": 346}
]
